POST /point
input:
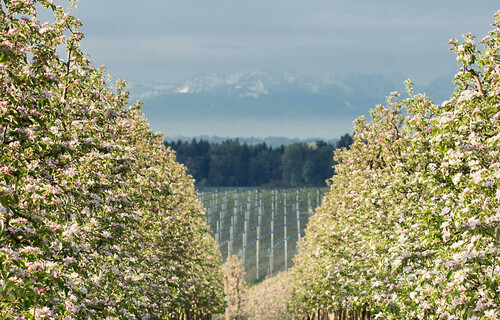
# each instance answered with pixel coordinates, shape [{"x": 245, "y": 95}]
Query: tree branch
[
  {"x": 68, "y": 65},
  {"x": 475, "y": 75}
]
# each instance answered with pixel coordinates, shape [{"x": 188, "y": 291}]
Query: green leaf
[
  {"x": 8, "y": 285},
  {"x": 4, "y": 202},
  {"x": 44, "y": 102},
  {"x": 29, "y": 283}
]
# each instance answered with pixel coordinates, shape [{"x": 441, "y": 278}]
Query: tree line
[{"x": 235, "y": 164}]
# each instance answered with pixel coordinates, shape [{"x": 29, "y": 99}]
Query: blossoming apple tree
[
  {"x": 411, "y": 226},
  {"x": 97, "y": 220}
]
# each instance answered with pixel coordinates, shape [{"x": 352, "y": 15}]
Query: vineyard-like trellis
[{"x": 261, "y": 226}]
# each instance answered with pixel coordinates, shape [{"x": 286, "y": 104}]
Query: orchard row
[
  {"x": 98, "y": 220},
  {"x": 411, "y": 226}
]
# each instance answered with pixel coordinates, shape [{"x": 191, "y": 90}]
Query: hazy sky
[{"x": 171, "y": 40}]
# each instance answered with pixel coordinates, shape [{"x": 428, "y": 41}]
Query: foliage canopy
[
  {"x": 97, "y": 218},
  {"x": 411, "y": 226}
]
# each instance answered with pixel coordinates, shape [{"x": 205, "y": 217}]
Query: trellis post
[
  {"x": 217, "y": 231},
  {"x": 298, "y": 215},
  {"x": 245, "y": 230},
  {"x": 234, "y": 221},
  {"x": 285, "y": 236},
  {"x": 271, "y": 254},
  {"x": 223, "y": 216},
  {"x": 308, "y": 202},
  {"x": 259, "y": 221}
]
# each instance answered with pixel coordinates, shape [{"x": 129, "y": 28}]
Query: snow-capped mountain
[
  {"x": 236, "y": 84},
  {"x": 250, "y": 84},
  {"x": 213, "y": 101}
]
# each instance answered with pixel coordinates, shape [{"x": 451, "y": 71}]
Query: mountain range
[{"x": 262, "y": 104}]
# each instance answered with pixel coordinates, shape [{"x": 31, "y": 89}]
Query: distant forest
[{"x": 232, "y": 164}]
